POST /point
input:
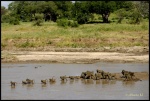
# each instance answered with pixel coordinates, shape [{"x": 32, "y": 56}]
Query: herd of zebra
[{"x": 100, "y": 74}]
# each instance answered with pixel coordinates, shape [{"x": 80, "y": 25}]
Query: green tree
[
  {"x": 143, "y": 8},
  {"x": 102, "y": 7},
  {"x": 127, "y": 5},
  {"x": 3, "y": 10},
  {"x": 140, "y": 10},
  {"x": 105, "y": 8},
  {"x": 31, "y": 10},
  {"x": 3, "y": 14},
  {"x": 17, "y": 8},
  {"x": 49, "y": 9},
  {"x": 83, "y": 9},
  {"x": 26, "y": 10},
  {"x": 80, "y": 11},
  {"x": 64, "y": 9}
]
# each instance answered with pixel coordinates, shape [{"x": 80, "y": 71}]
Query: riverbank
[
  {"x": 87, "y": 43},
  {"x": 75, "y": 56}
]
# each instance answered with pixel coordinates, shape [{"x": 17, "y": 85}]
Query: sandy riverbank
[{"x": 72, "y": 57}]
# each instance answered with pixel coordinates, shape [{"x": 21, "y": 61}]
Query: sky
[{"x": 5, "y": 3}]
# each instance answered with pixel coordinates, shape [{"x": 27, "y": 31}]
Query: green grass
[{"x": 85, "y": 36}]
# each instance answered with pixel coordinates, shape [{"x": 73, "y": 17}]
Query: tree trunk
[
  {"x": 105, "y": 18},
  {"x": 54, "y": 17},
  {"x": 47, "y": 16}
]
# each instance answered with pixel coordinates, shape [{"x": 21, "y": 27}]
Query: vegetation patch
[
  {"x": 67, "y": 23},
  {"x": 81, "y": 24}
]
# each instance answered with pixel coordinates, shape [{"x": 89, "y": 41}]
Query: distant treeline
[{"x": 80, "y": 11}]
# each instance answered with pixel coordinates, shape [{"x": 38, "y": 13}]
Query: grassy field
[{"x": 98, "y": 35}]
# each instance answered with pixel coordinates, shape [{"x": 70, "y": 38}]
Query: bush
[
  {"x": 14, "y": 21},
  {"x": 26, "y": 19},
  {"x": 10, "y": 19},
  {"x": 65, "y": 23},
  {"x": 38, "y": 16},
  {"x": 62, "y": 22},
  {"x": 121, "y": 14},
  {"x": 73, "y": 23},
  {"x": 135, "y": 17},
  {"x": 38, "y": 20},
  {"x": 5, "y": 18},
  {"x": 83, "y": 18}
]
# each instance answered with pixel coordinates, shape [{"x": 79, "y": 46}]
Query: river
[{"x": 72, "y": 89}]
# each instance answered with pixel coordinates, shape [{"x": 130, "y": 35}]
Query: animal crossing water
[{"x": 71, "y": 89}]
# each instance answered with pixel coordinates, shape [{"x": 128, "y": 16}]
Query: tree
[
  {"x": 102, "y": 7},
  {"x": 64, "y": 9},
  {"x": 80, "y": 11},
  {"x": 86, "y": 8},
  {"x": 140, "y": 10},
  {"x": 4, "y": 17},
  {"x": 19, "y": 8},
  {"x": 143, "y": 8},
  {"x": 3, "y": 10},
  {"x": 105, "y": 8},
  {"x": 49, "y": 9},
  {"x": 31, "y": 10},
  {"x": 127, "y": 5},
  {"x": 26, "y": 9}
]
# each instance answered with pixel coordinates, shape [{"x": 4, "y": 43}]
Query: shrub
[
  {"x": 65, "y": 23},
  {"x": 62, "y": 22},
  {"x": 14, "y": 21},
  {"x": 10, "y": 18},
  {"x": 38, "y": 20},
  {"x": 121, "y": 14},
  {"x": 83, "y": 18},
  {"x": 135, "y": 17},
  {"x": 73, "y": 23},
  {"x": 27, "y": 19},
  {"x": 38, "y": 16},
  {"x": 5, "y": 18}
]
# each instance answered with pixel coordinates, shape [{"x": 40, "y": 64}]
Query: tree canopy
[{"x": 79, "y": 10}]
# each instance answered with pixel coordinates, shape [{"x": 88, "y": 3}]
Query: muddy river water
[{"x": 72, "y": 89}]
